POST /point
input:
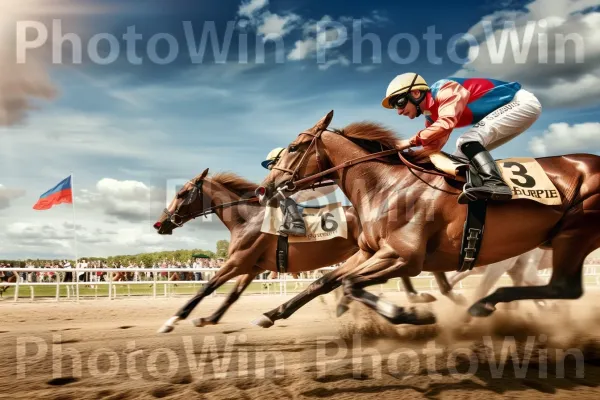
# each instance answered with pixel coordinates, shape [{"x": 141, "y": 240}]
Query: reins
[{"x": 292, "y": 184}]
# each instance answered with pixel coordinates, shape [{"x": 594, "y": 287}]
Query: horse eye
[
  {"x": 292, "y": 149},
  {"x": 181, "y": 195}
]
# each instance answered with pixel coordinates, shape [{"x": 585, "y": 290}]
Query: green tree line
[{"x": 148, "y": 259}]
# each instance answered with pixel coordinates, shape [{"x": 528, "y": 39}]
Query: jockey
[
  {"x": 293, "y": 223},
  {"x": 497, "y": 111}
]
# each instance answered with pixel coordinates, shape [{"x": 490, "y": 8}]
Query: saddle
[{"x": 525, "y": 177}]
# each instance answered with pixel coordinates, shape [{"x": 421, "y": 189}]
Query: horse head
[
  {"x": 301, "y": 158},
  {"x": 186, "y": 205}
]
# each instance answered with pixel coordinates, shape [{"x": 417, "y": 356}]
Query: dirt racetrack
[{"x": 110, "y": 350}]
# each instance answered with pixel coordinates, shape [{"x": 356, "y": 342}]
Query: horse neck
[
  {"x": 230, "y": 216},
  {"x": 366, "y": 184}
]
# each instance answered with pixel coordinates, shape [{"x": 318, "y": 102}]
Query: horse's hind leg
[
  {"x": 571, "y": 247},
  {"x": 240, "y": 285},
  {"x": 447, "y": 289}
]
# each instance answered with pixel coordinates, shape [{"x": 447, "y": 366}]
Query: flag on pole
[{"x": 61, "y": 193}]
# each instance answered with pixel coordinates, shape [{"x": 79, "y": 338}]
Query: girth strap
[
  {"x": 282, "y": 253},
  {"x": 473, "y": 234}
]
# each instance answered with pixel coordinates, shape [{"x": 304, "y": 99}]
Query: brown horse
[
  {"x": 251, "y": 251},
  {"x": 411, "y": 221}
]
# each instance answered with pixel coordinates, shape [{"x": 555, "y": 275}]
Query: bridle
[
  {"x": 294, "y": 173},
  {"x": 197, "y": 191},
  {"x": 292, "y": 184}
]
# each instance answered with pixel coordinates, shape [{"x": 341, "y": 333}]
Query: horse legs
[
  {"x": 525, "y": 273},
  {"x": 459, "y": 276},
  {"x": 446, "y": 289},
  {"x": 379, "y": 269},
  {"x": 232, "y": 268},
  {"x": 323, "y": 285},
  {"x": 571, "y": 247},
  {"x": 413, "y": 295},
  {"x": 240, "y": 285}
]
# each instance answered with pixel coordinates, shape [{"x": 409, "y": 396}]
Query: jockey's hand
[{"x": 403, "y": 144}]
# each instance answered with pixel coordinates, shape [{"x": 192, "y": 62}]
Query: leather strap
[
  {"x": 282, "y": 253},
  {"x": 472, "y": 235}
]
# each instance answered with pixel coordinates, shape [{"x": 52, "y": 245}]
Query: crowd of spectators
[{"x": 197, "y": 271}]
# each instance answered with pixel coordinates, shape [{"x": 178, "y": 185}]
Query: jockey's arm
[{"x": 452, "y": 99}]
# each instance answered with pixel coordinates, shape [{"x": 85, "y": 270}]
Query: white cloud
[
  {"x": 7, "y": 195},
  {"x": 250, "y": 8},
  {"x": 563, "y": 138},
  {"x": 313, "y": 39},
  {"x": 276, "y": 26},
  {"x": 303, "y": 49},
  {"x": 549, "y": 47},
  {"x": 126, "y": 200}
]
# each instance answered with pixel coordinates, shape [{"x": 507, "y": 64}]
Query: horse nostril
[{"x": 157, "y": 225}]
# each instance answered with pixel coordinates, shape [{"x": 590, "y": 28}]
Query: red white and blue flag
[{"x": 61, "y": 193}]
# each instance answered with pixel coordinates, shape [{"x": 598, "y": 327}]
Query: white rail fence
[{"x": 73, "y": 288}]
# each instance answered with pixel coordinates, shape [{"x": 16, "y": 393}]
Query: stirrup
[{"x": 484, "y": 192}]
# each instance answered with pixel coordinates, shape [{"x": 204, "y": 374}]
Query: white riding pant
[{"x": 503, "y": 124}]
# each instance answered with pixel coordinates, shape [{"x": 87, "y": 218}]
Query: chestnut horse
[
  {"x": 251, "y": 251},
  {"x": 411, "y": 221}
]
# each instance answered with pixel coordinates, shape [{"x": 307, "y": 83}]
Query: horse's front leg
[
  {"x": 384, "y": 265},
  {"x": 235, "y": 266},
  {"x": 241, "y": 284},
  {"x": 323, "y": 285}
]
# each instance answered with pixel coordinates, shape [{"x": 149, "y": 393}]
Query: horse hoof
[
  {"x": 263, "y": 321},
  {"x": 169, "y": 325},
  {"x": 457, "y": 298},
  {"x": 421, "y": 298},
  {"x": 201, "y": 322},
  {"x": 166, "y": 329},
  {"x": 481, "y": 309}
]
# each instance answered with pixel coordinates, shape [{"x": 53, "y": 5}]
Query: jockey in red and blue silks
[{"x": 497, "y": 110}]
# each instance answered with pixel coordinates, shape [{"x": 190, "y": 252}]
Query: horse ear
[
  {"x": 203, "y": 174},
  {"x": 324, "y": 122}
]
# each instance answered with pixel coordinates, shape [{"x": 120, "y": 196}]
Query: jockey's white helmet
[{"x": 401, "y": 84}]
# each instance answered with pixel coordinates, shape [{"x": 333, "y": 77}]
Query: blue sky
[{"x": 127, "y": 130}]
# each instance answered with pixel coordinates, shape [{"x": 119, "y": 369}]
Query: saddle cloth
[
  {"x": 524, "y": 175},
  {"x": 322, "y": 223}
]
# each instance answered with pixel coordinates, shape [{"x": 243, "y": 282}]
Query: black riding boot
[
  {"x": 293, "y": 222},
  {"x": 494, "y": 187}
]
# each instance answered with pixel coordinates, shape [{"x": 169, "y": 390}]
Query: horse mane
[
  {"x": 371, "y": 136},
  {"x": 371, "y": 132},
  {"x": 235, "y": 183}
]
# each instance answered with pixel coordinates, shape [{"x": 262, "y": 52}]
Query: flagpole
[{"x": 75, "y": 236}]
